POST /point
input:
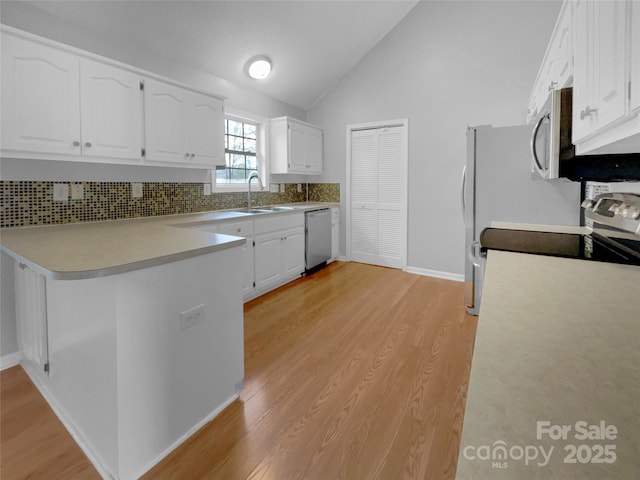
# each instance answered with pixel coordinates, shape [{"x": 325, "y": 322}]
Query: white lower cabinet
[
  {"x": 279, "y": 249},
  {"x": 279, "y": 256},
  {"x": 243, "y": 229},
  {"x": 31, "y": 317},
  {"x": 335, "y": 233},
  {"x": 273, "y": 253},
  {"x": 128, "y": 377},
  {"x": 268, "y": 259},
  {"x": 293, "y": 252}
]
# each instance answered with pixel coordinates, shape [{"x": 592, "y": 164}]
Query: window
[{"x": 241, "y": 159}]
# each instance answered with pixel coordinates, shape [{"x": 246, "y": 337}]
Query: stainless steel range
[{"x": 614, "y": 238}]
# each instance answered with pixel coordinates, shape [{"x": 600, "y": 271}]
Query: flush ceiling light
[{"x": 259, "y": 67}]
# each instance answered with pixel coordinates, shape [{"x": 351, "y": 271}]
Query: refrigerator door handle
[
  {"x": 536, "y": 162},
  {"x": 474, "y": 253},
  {"x": 464, "y": 184}
]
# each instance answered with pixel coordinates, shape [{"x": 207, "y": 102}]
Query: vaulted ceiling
[{"x": 312, "y": 43}]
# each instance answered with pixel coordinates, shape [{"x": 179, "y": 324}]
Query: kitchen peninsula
[
  {"x": 132, "y": 330},
  {"x": 555, "y": 375}
]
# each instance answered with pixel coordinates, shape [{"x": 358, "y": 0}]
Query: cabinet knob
[
  {"x": 76, "y": 144},
  {"x": 587, "y": 112},
  {"x": 87, "y": 144},
  {"x": 193, "y": 155},
  {"x": 239, "y": 230},
  {"x": 186, "y": 155}
]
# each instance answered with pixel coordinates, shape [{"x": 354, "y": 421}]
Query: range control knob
[
  {"x": 629, "y": 211},
  {"x": 616, "y": 208}
]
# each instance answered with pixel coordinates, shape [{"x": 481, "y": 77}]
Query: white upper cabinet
[
  {"x": 600, "y": 61},
  {"x": 634, "y": 55},
  {"x": 295, "y": 146},
  {"x": 182, "y": 127},
  {"x": 40, "y": 101},
  {"x": 557, "y": 67},
  {"x": 61, "y": 103},
  {"x": 165, "y": 121},
  {"x": 206, "y": 130},
  {"x": 595, "y": 48},
  {"x": 111, "y": 111}
]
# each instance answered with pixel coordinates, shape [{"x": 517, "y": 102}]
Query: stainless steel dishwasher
[{"x": 318, "y": 238}]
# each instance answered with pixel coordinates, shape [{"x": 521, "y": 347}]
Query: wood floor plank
[
  {"x": 355, "y": 372},
  {"x": 33, "y": 442}
]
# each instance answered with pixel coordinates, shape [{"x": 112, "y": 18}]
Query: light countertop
[
  {"x": 95, "y": 249},
  {"x": 558, "y": 341}
]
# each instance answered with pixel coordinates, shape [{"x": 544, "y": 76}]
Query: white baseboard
[
  {"x": 66, "y": 422},
  {"x": 186, "y": 436},
  {"x": 9, "y": 360},
  {"x": 75, "y": 434},
  {"x": 456, "y": 277}
]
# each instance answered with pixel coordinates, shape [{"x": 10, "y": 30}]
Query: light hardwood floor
[{"x": 356, "y": 372}]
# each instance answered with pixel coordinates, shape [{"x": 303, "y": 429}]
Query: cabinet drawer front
[
  {"x": 279, "y": 222},
  {"x": 239, "y": 229}
]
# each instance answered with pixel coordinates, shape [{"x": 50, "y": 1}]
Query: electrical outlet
[
  {"x": 299, "y": 188},
  {"x": 191, "y": 317},
  {"x": 77, "y": 191},
  {"x": 274, "y": 187},
  {"x": 206, "y": 188},
  {"x": 136, "y": 190},
  {"x": 60, "y": 192},
  {"x": 282, "y": 187}
]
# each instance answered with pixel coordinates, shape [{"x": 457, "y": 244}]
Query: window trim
[{"x": 262, "y": 151}]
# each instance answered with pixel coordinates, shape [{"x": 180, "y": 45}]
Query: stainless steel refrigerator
[{"x": 499, "y": 186}]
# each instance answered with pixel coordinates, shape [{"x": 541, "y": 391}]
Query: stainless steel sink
[
  {"x": 274, "y": 208},
  {"x": 252, "y": 210}
]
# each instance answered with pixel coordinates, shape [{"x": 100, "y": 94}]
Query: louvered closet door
[
  {"x": 364, "y": 186},
  {"x": 377, "y": 226}
]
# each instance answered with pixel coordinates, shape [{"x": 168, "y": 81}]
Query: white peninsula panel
[{"x": 129, "y": 376}]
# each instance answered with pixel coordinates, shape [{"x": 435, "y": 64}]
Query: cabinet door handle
[
  {"x": 76, "y": 144},
  {"x": 193, "y": 155},
  {"x": 587, "y": 112},
  {"x": 87, "y": 144},
  {"x": 186, "y": 155}
]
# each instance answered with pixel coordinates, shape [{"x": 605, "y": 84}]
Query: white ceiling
[{"x": 312, "y": 43}]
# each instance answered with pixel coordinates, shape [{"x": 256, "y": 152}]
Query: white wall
[
  {"x": 447, "y": 65},
  {"x": 31, "y": 19}
]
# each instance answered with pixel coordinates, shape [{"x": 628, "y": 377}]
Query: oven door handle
[{"x": 536, "y": 162}]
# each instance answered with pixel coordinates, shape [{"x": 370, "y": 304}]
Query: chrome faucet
[{"x": 251, "y": 177}]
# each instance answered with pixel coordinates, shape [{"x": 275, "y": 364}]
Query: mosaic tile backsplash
[{"x": 25, "y": 203}]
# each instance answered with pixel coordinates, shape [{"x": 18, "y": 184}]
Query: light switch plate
[
  {"x": 60, "y": 192},
  {"x": 77, "y": 191},
  {"x": 206, "y": 188},
  {"x": 136, "y": 190}
]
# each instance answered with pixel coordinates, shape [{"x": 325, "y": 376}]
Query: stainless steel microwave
[{"x": 553, "y": 153}]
